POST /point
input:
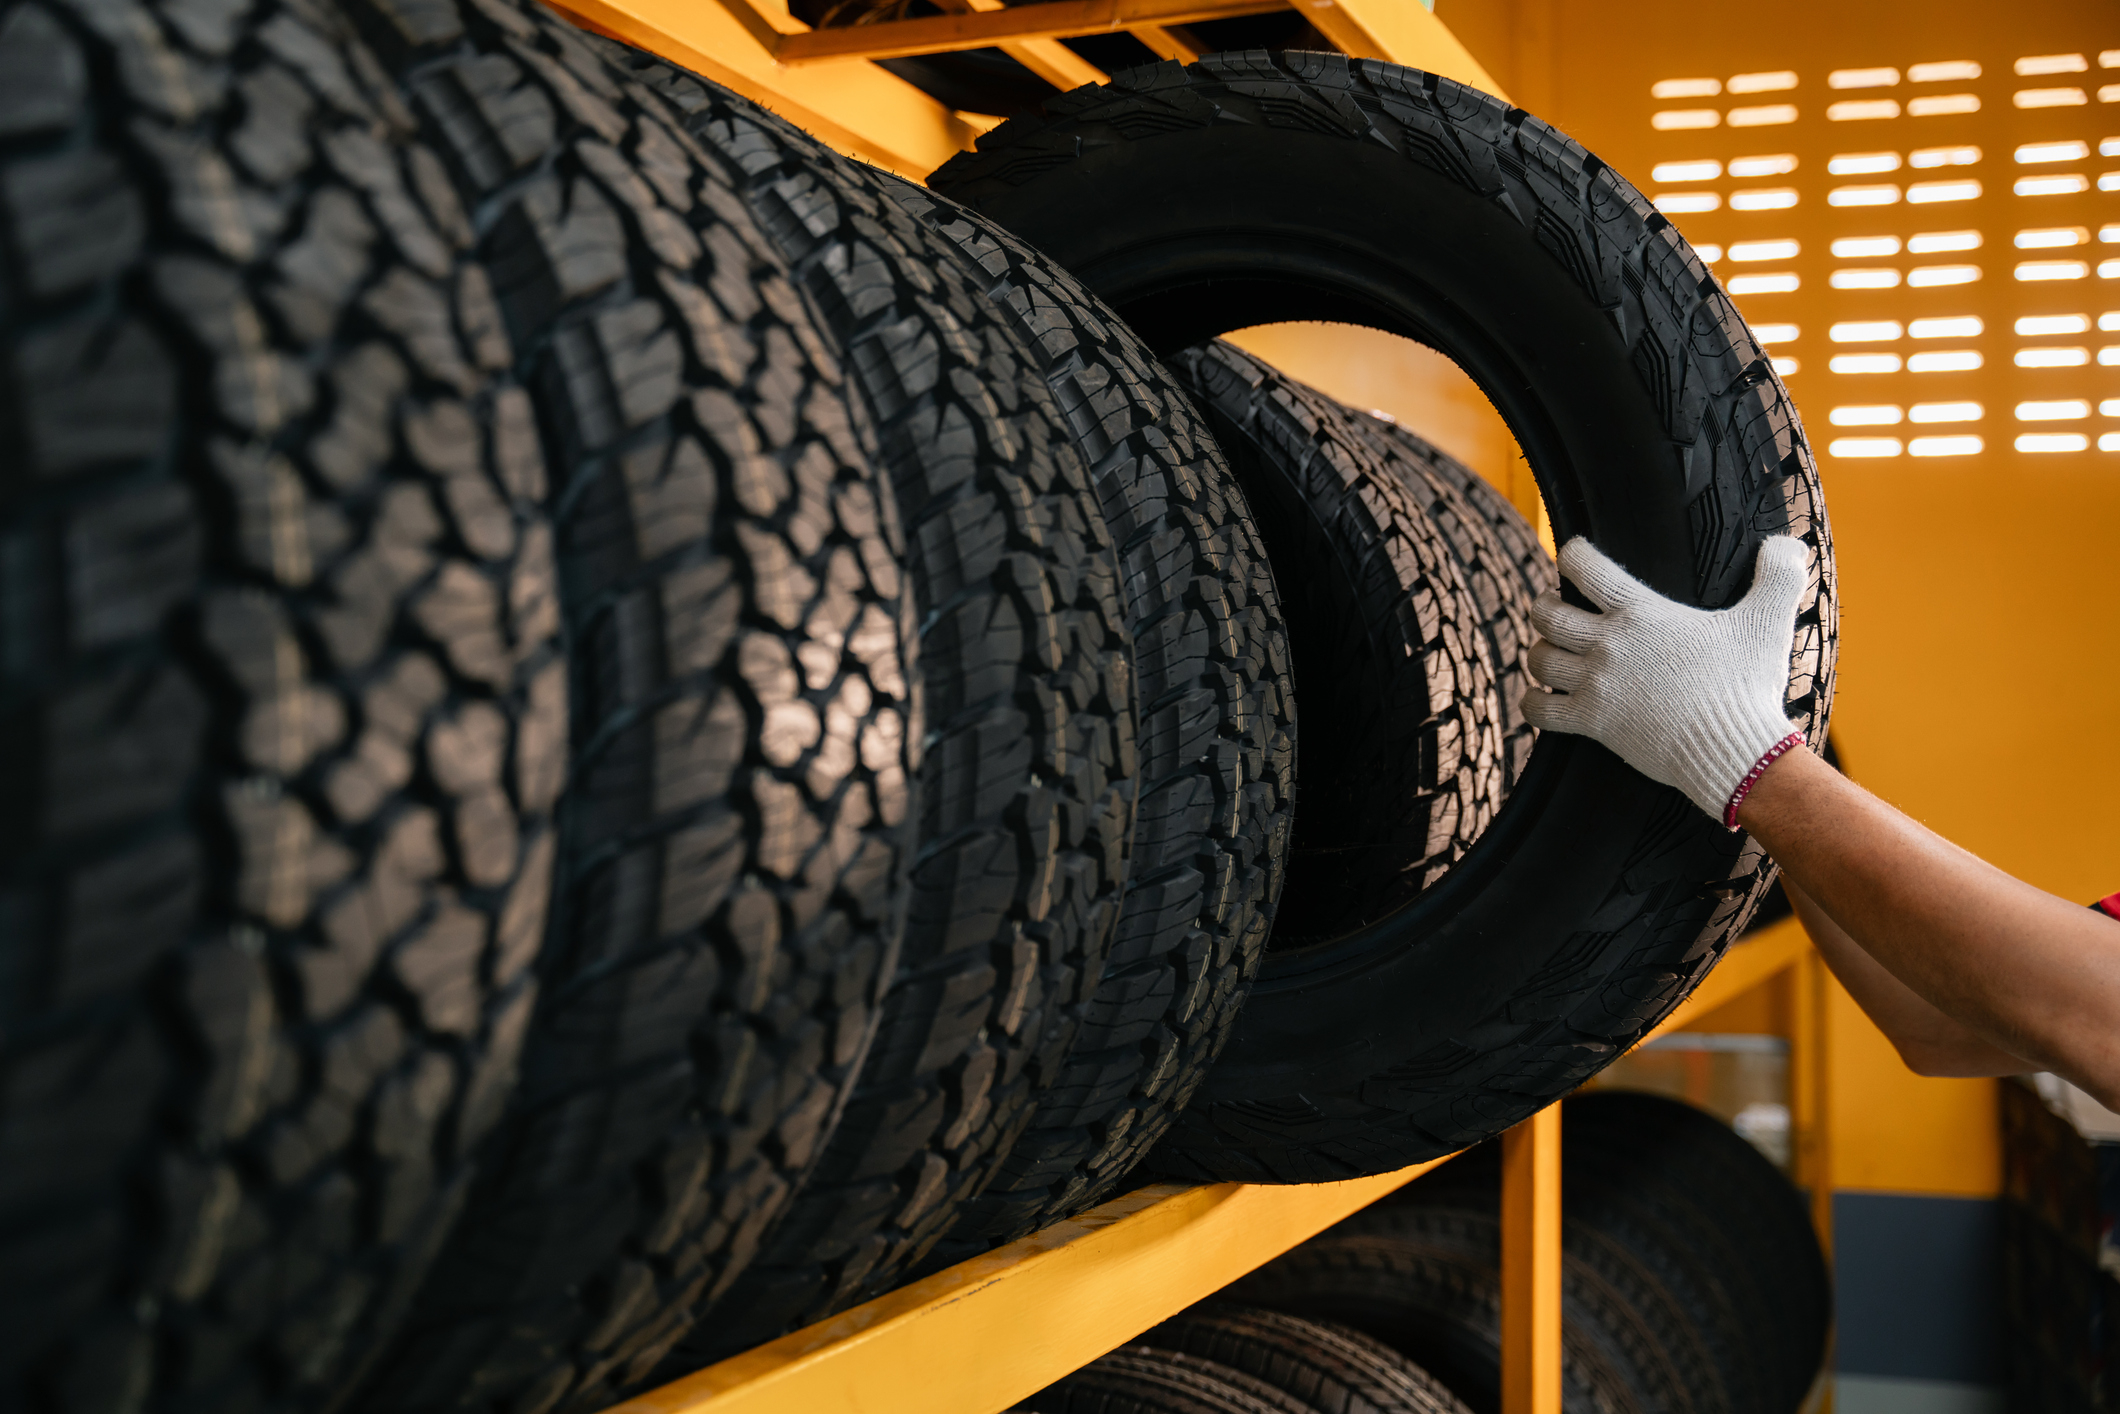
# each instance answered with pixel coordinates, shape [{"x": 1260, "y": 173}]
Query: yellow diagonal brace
[
  {"x": 1403, "y": 31},
  {"x": 1049, "y": 59},
  {"x": 1053, "y": 19},
  {"x": 856, "y": 107}
]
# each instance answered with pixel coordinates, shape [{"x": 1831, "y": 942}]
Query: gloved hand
[{"x": 1689, "y": 697}]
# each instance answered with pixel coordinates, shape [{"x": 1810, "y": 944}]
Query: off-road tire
[
  {"x": 1405, "y": 766},
  {"x": 282, "y": 716},
  {"x": 1499, "y": 555},
  {"x": 1257, "y": 187},
  {"x": 1331, "y": 1369},
  {"x": 1141, "y": 1379},
  {"x": 1426, "y": 1281},
  {"x": 1026, "y": 785},
  {"x": 732, "y": 839},
  {"x": 1217, "y": 745}
]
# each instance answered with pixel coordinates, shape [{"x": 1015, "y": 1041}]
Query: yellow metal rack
[{"x": 984, "y": 1334}]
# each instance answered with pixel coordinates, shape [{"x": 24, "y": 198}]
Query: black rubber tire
[
  {"x": 1026, "y": 783},
  {"x": 1721, "y": 1211},
  {"x": 281, "y": 712},
  {"x": 1658, "y": 1195},
  {"x": 1217, "y": 746},
  {"x": 1405, "y": 765},
  {"x": 1503, "y": 564},
  {"x": 1426, "y": 1281},
  {"x": 1255, "y": 187},
  {"x": 730, "y": 872},
  {"x": 1141, "y": 1379},
  {"x": 1333, "y": 1369}
]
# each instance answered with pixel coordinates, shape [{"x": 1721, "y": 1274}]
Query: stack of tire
[
  {"x": 1691, "y": 1280},
  {"x": 1691, "y": 1284},
  {"x": 621, "y": 731}
]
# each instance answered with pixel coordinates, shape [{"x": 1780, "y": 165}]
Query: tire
[
  {"x": 1026, "y": 784},
  {"x": 1139, "y": 1379},
  {"x": 1425, "y": 1280},
  {"x": 1502, "y": 562},
  {"x": 1332, "y": 1369},
  {"x": 281, "y": 711},
  {"x": 1217, "y": 746},
  {"x": 1711, "y": 1206},
  {"x": 1254, "y": 187},
  {"x": 1405, "y": 767},
  {"x": 730, "y": 873},
  {"x": 1666, "y": 1199}
]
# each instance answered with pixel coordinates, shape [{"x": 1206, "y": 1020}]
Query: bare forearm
[
  {"x": 1930, "y": 1042},
  {"x": 2026, "y": 973}
]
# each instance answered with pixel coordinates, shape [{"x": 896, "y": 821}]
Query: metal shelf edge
[{"x": 978, "y": 1337}]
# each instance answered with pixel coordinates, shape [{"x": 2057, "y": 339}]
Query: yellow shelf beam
[
  {"x": 1746, "y": 965},
  {"x": 979, "y": 1337}
]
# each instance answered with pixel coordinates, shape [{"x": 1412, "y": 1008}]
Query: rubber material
[
  {"x": 281, "y": 715},
  {"x": 1693, "y": 1276},
  {"x": 1499, "y": 555},
  {"x": 1405, "y": 767},
  {"x": 1729, "y": 1230},
  {"x": 1027, "y": 780},
  {"x": 1331, "y": 1369},
  {"x": 1255, "y": 187},
  {"x": 1425, "y": 1280},
  {"x": 1140, "y": 1379},
  {"x": 1218, "y": 748},
  {"x": 730, "y": 883}
]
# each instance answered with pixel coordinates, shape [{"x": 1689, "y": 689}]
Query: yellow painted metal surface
[
  {"x": 1402, "y": 31},
  {"x": 854, "y": 106},
  {"x": 1053, "y": 19},
  {"x": 1049, "y": 59},
  {"x": 1531, "y": 1265},
  {"x": 1810, "y": 1093},
  {"x": 982, "y": 1335}
]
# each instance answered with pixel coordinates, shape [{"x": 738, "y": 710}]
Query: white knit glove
[{"x": 1689, "y": 697}]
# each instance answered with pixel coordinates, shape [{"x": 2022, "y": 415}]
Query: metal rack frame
[{"x": 978, "y": 1337}]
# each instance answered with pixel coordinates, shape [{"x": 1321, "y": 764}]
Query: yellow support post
[
  {"x": 1531, "y": 1265},
  {"x": 1808, "y": 1094}
]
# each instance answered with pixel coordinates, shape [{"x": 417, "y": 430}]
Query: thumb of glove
[{"x": 1780, "y": 576}]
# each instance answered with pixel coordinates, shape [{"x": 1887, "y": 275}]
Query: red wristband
[{"x": 1759, "y": 768}]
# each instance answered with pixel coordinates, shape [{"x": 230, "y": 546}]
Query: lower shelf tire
[
  {"x": 1025, "y": 786},
  {"x": 1503, "y": 565},
  {"x": 1140, "y": 1379},
  {"x": 1256, "y": 187},
  {"x": 1715, "y": 1213},
  {"x": 1331, "y": 1369},
  {"x": 281, "y": 710},
  {"x": 731, "y": 847},
  {"x": 1217, "y": 746},
  {"x": 1426, "y": 1281}
]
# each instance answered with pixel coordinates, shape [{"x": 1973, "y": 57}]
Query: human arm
[
  {"x": 2023, "y": 980},
  {"x": 1693, "y": 698},
  {"x": 1930, "y": 1042}
]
